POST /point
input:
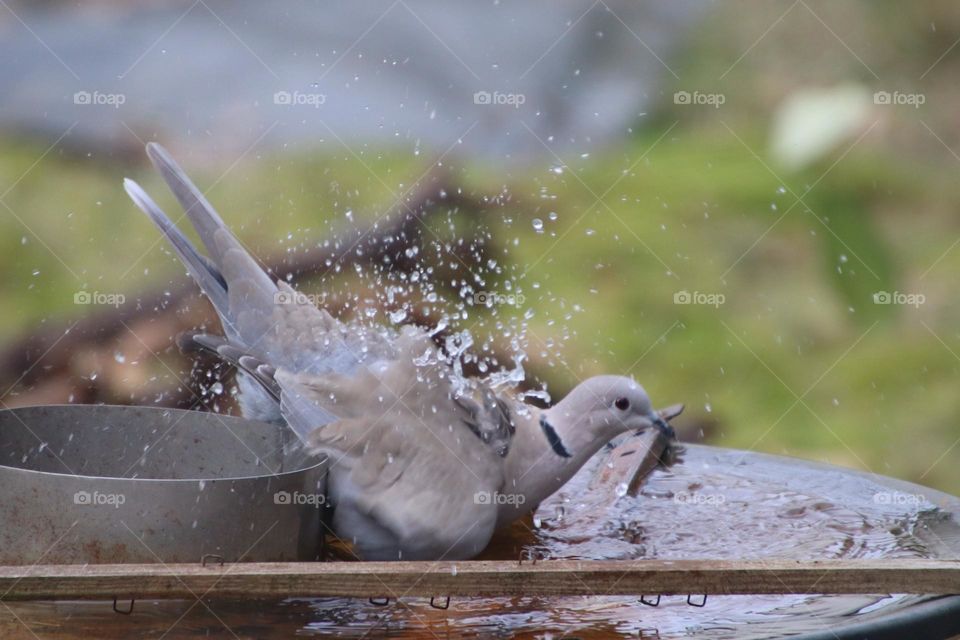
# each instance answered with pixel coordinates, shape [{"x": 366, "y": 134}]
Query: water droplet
[{"x": 538, "y": 225}]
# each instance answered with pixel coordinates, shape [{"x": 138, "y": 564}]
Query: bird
[{"x": 421, "y": 464}]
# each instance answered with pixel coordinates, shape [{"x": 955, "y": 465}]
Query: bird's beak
[
  {"x": 664, "y": 427},
  {"x": 662, "y": 417}
]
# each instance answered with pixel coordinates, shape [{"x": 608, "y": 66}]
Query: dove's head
[
  {"x": 607, "y": 406},
  {"x": 591, "y": 415}
]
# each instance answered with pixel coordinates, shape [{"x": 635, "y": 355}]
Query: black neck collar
[{"x": 553, "y": 438}]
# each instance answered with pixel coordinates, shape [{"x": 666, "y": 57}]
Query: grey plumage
[{"x": 490, "y": 419}]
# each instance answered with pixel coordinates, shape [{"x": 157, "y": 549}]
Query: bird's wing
[
  {"x": 489, "y": 417},
  {"x": 430, "y": 484},
  {"x": 415, "y": 371},
  {"x": 402, "y": 453}
]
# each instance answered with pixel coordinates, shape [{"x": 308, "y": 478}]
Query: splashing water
[{"x": 470, "y": 300}]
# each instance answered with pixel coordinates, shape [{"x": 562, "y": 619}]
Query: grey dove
[{"x": 420, "y": 466}]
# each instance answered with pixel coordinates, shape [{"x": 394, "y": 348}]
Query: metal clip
[
  {"x": 650, "y": 603},
  {"x": 211, "y": 556},
  {"x": 530, "y": 554},
  {"x": 694, "y": 604},
  {"x": 380, "y": 602},
  {"x": 446, "y": 604},
  {"x": 121, "y": 611}
]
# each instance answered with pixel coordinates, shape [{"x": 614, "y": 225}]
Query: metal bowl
[{"x": 107, "y": 484}]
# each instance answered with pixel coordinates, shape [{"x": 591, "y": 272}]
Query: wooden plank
[{"x": 479, "y": 578}]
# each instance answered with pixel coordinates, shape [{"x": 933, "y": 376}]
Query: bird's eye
[{"x": 622, "y": 403}]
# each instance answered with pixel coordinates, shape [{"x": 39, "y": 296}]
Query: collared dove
[{"x": 420, "y": 467}]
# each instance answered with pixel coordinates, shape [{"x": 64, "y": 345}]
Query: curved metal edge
[
  {"x": 893, "y": 483},
  {"x": 936, "y": 619},
  {"x": 308, "y": 463}
]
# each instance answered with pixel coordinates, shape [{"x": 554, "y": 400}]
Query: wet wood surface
[{"x": 480, "y": 578}]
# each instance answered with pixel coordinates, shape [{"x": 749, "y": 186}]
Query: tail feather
[
  {"x": 261, "y": 334},
  {"x": 251, "y": 293},
  {"x": 214, "y": 234},
  {"x": 296, "y": 404},
  {"x": 201, "y": 268},
  {"x": 262, "y": 373},
  {"x": 201, "y": 213}
]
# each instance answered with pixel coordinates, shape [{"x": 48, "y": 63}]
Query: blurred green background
[{"x": 798, "y": 358}]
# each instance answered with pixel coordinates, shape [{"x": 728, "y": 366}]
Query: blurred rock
[{"x": 221, "y": 76}]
